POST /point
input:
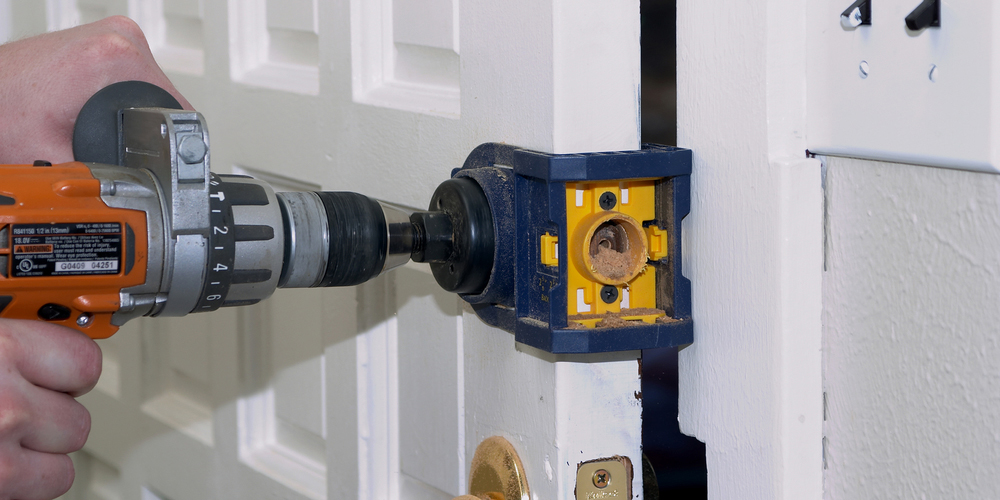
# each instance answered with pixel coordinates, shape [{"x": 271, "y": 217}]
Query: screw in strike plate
[
  {"x": 863, "y": 69},
  {"x": 84, "y": 319},
  {"x": 602, "y": 478},
  {"x": 609, "y": 294},
  {"x": 607, "y": 200}
]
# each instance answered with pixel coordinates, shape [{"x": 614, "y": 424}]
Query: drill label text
[{"x": 79, "y": 248}]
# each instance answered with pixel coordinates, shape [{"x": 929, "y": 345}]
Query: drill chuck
[
  {"x": 344, "y": 239},
  {"x": 340, "y": 238}
]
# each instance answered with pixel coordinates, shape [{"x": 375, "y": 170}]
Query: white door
[{"x": 381, "y": 391}]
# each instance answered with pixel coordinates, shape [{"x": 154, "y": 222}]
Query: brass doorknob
[{"x": 496, "y": 472}]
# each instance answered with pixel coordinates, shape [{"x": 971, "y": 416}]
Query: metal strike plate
[{"x": 604, "y": 479}]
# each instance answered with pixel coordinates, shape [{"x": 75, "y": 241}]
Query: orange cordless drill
[{"x": 140, "y": 226}]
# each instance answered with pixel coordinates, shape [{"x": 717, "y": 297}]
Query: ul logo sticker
[{"x": 25, "y": 265}]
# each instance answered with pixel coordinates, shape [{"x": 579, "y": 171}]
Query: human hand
[
  {"x": 43, "y": 367},
  {"x": 46, "y": 79}
]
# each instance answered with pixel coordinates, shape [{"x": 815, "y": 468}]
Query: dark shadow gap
[{"x": 677, "y": 460}]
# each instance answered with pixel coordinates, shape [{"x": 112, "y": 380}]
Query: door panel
[
  {"x": 275, "y": 44},
  {"x": 431, "y": 385},
  {"x": 177, "y": 382},
  {"x": 174, "y": 30},
  {"x": 383, "y": 390},
  {"x": 281, "y": 419},
  {"x": 405, "y": 55},
  {"x": 410, "y": 418}
]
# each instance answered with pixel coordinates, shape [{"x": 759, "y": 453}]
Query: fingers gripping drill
[{"x": 140, "y": 226}]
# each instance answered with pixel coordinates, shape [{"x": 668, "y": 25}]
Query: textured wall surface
[{"x": 910, "y": 332}]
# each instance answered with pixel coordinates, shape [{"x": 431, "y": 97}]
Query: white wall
[{"x": 911, "y": 332}]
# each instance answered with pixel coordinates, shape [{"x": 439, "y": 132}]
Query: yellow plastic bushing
[{"x": 609, "y": 247}]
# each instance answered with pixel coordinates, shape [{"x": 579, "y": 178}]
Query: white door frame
[{"x": 751, "y": 384}]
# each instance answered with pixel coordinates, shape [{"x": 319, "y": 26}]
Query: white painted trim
[
  {"x": 750, "y": 385},
  {"x": 595, "y": 76},
  {"x": 378, "y": 417},
  {"x": 801, "y": 408},
  {"x": 463, "y": 479}
]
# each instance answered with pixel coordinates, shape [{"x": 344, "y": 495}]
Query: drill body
[{"x": 93, "y": 245}]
